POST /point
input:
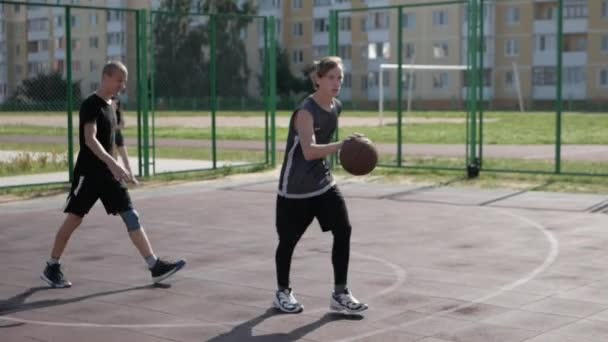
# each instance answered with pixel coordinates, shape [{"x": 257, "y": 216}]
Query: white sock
[{"x": 151, "y": 260}]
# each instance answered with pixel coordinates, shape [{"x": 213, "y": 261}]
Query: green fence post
[
  {"x": 333, "y": 51},
  {"x": 472, "y": 167},
  {"x": 143, "y": 96},
  {"x": 68, "y": 60},
  {"x": 558, "y": 88},
  {"x": 139, "y": 93},
  {"x": 213, "y": 86},
  {"x": 273, "y": 89},
  {"x": 399, "y": 86},
  {"x": 266, "y": 93},
  {"x": 482, "y": 50}
]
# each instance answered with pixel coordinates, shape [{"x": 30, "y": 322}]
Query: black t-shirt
[{"x": 97, "y": 110}]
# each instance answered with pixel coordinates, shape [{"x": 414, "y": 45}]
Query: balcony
[{"x": 575, "y": 25}]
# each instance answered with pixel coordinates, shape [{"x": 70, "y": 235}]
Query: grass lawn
[{"x": 499, "y": 128}]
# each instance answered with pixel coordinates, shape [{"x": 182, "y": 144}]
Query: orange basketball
[{"x": 358, "y": 156}]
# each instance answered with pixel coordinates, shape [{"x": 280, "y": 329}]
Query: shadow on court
[{"x": 244, "y": 331}]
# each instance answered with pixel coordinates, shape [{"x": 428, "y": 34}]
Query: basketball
[{"x": 358, "y": 156}]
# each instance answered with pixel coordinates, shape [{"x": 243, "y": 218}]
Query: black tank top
[{"x": 301, "y": 178}]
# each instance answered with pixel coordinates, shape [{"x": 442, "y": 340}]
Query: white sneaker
[
  {"x": 346, "y": 302},
  {"x": 285, "y": 301}
]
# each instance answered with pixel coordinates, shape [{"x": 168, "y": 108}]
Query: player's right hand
[{"x": 119, "y": 173}]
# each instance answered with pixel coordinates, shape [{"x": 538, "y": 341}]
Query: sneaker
[
  {"x": 346, "y": 302},
  {"x": 285, "y": 301},
  {"x": 53, "y": 276},
  {"x": 163, "y": 269}
]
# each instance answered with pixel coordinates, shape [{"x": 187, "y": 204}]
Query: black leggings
[{"x": 293, "y": 218}]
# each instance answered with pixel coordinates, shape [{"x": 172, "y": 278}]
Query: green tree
[
  {"x": 45, "y": 89},
  {"x": 182, "y": 48}
]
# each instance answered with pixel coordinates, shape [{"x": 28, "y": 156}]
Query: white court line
[
  {"x": 549, "y": 260},
  {"x": 400, "y": 279}
]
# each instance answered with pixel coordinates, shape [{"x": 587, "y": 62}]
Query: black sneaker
[
  {"x": 164, "y": 269},
  {"x": 54, "y": 277}
]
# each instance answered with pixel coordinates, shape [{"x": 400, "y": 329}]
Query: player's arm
[
  {"x": 90, "y": 132},
  {"x": 310, "y": 148}
]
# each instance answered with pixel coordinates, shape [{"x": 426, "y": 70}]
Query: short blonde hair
[
  {"x": 323, "y": 66},
  {"x": 112, "y": 67}
]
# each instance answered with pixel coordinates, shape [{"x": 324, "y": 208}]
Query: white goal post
[{"x": 409, "y": 68}]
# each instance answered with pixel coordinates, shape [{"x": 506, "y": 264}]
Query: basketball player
[{"x": 307, "y": 189}]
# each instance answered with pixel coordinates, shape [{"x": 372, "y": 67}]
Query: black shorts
[
  {"x": 119, "y": 139},
  {"x": 295, "y": 215},
  {"x": 86, "y": 189}
]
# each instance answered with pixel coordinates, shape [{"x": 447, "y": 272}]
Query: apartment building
[
  {"x": 519, "y": 59},
  {"x": 33, "y": 41},
  {"x": 520, "y": 47}
]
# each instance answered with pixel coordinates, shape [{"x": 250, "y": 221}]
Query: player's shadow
[
  {"x": 18, "y": 303},
  {"x": 244, "y": 331}
]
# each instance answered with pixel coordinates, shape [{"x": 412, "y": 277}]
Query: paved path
[
  {"x": 223, "y": 121},
  {"x": 598, "y": 153}
]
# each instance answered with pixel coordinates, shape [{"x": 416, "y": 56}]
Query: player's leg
[
  {"x": 82, "y": 197},
  {"x": 332, "y": 214},
  {"x": 117, "y": 201},
  {"x": 293, "y": 216}
]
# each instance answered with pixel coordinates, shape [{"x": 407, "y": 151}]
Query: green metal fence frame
[
  {"x": 475, "y": 94},
  {"x": 333, "y": 49}
]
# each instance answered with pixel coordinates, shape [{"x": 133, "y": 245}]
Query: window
[
  {"x": 320, "y": 51},
  {"x": 94, "y": 42},
  {"x": 93, "y": 19},
  {"x": 364, "y": 82},
  {"x": 296, "y": 3},
  {"x": 347, "y": 82},
  {"x": 375, "y": 21},
  {"x": 509, "y": 79},
  {"x": 511, "y": 47},
  {"x": 319, "y": 3},
  {"x": 298, "y": 29},
  {"x": 604, "y": 78},
  {"x": 75, "y": 21},
  {"x": 545, "y": 42},
  {"x": 344, "y": 24},
  {"x": 605, "y": 9},
  {"x": 409, "y": 50},
  {"x": 409, "y": 21},
  {"x": 41, "y": 24},
  {"x": 440, "y": 50},
  {"x": 93, "y": 87},
  {"x": 60, "y": 43},
  {"x": 32, "y": 47},
  {"x": 76, "y": 66},
  {"x": 344, "y": 51},
  {"x": 76, "y": 45},
  {"x": 440, "y": 80},
  {"x": 575, "y": 43},
  {"x": 440, "y": 18},
  {"x": 573, "y": 11},
  {"x": 114, "y": 15},
  {"x": 321, "y": 25},
  {"x": 379, "y": 50},
  {"x": 604, "y": 44},
  {"x": 93, "y": 66},
  {"x": 59, "y": 21},
  {"x": 116, "y": 38},
  {"x": 297, "y": 56},
  {"x": 386, "y": 78},
  {"x": 513, "y": 15},
  {"x": 544, "y": 76},
  {"x": 574, "y": 75},
  {"x": 409, "y": 78}
]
